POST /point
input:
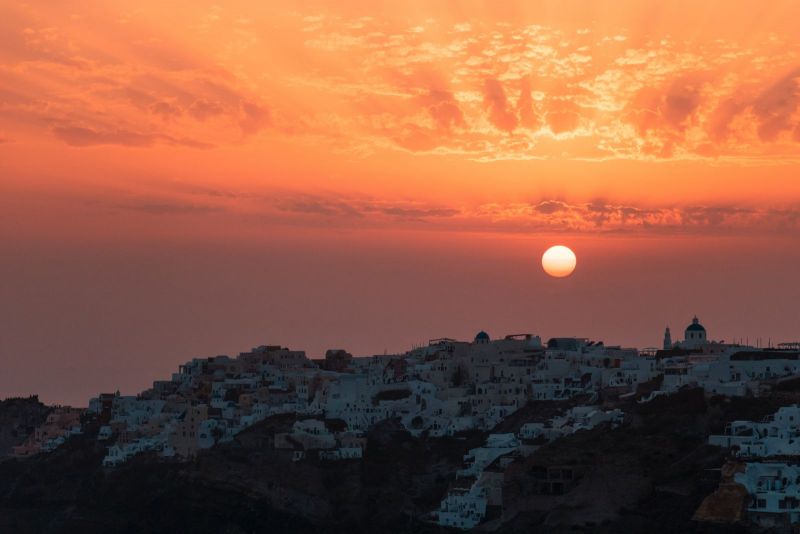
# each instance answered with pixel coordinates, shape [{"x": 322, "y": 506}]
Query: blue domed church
[
  {"x": 695, "y": 335},
  {"x": 482, "y": 337}
]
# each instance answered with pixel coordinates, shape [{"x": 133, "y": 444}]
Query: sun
[{"x": 559, "y": 261}]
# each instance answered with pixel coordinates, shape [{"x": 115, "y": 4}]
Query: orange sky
[{"x": 628, "y": 127}]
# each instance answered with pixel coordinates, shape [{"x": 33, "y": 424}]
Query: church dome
[
  {"x": 482, "y": 337},
  {"x": 695, "y": 326}
]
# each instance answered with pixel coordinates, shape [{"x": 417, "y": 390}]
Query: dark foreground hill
[
  {"x": 18, "y": 417},
  {"x": 649, "y": 475}
]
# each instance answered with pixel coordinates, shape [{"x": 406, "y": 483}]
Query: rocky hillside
[
  {"x": 651, "y": 474},
  {"x": 18, "y": 417}
]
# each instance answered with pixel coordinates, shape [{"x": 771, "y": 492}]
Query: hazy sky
[{"x": 189, "y": 179}]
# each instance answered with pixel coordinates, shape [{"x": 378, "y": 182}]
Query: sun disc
[{"x": 559, "y": 261}]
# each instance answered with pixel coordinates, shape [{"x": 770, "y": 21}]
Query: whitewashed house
[{"x": 774, "y": 490}]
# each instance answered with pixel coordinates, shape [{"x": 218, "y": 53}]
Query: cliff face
[
  {"x": 69, "y": 491},
  {"x": 651, "y": 474},
  {"x": 399, "y": 480},
  {"x": 647, "y": 475},
  {"x": 728, "y": 503},
  {"x": 19, "y": 416},
  {"x": 242, "y": 486}
]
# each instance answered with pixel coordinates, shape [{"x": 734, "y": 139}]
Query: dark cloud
[
  {"x": 202, "y": 109},
  {"x": 166, "y": 207},
  {"x": 720, "y": 120},
  {"x": 79, "y": 136},
  {"x": 528, "y": 116},
  {"x": 682, "y": 100},
  {"x": 165, "y": 110},
  {"x": 601, "y": 216},
  {"x": 414, "y": 134},
  {"x": 776, "y": 106},
  {"x": 200, "y": 99},
  {"x": 443, "y": 109},
  {"x": 320, "y": 206},
  {"x": 670, "y": 111},
  {"x": 153, "y": 205},
  {"x": 500, "y": 113},
  {"x": 199, "y": 190},
  {"x": 550, "y": 206},
  {"x": 417, "y": 213},
  {"x": 254, "y": 117},
  {"x": 360, "y": 208}
]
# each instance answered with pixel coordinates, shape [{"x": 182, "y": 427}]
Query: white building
[
  {"x": 479, "y": 458},
  {"x": 774, "y": 493},
  {"x": 575, "y": 419},
  {"x": 776, "y": 435},
  {"x": 463, "y": 508}
]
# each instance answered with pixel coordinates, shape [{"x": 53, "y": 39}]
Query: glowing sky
[{"x": 184, "y": 178}]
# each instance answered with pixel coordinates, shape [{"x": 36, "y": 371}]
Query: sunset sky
[{"x": 184, "y": 179}]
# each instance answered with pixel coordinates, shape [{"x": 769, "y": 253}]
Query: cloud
[
  {"x": 501, "y": 115},
  {"x": 79, "y": 136},
  {"x": 411, "y": 213},
  {"x": 563, "y": 116},
  {"x": 721, "y": 118},
  {"x": 416, "y": 138},
  {"x": 528, "y": 116},
  {"x": 166, "y": 207},
  {"x": 487, "y": 90},
  {"x": 202, "y": 109},
  {"x": 605, "y": 217},
  {"x": 662, "y": 98},
  {"x": 550, "y": 206},
  {"x": 198, "y": 189},
  {"x": 165, "y": 110},
  {"x": 320, "y": 206},
  {"x": 681, "y": 100},
  {"x": 443, "y": 109},
  {"x": 253, "y": 118},
  {"x": 156, "y": 203},
  {"x": 138, "y": 86},
  {"x": 358, "y": 208},
  {"x": 667, "y": 112},
  {"x": 777, "y": 107},
  {"x": 543, "y": 216}
]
